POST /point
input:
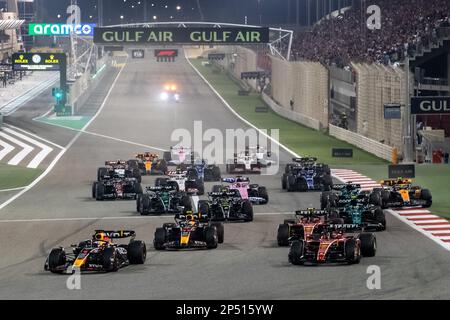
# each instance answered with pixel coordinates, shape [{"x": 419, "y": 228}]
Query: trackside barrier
[{"x": 377, "y": 148}]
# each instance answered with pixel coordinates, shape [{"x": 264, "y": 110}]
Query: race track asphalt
[{"x": 249, "y": 265}]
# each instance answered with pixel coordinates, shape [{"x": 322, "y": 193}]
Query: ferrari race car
[
  {"x": 162, "y": 199},
  {"x": 98, "y": 254},
  {"x": 170, "y": 93},
  {"x": 189, "y": 231},
  {"x": 253, "y": 192},
  {"x": 401, "y": 193},
  {"x": 118, "y": 188},
  {"x": 119, "y": 169},
  {"x": 306, "y": 222},
  {"x": 333, "y": 244},
  {"x": 151, "y": 164},
  {"x": 252, "y": 160},
  {"x": 307, "y": 178},
  {"x": 187, "y": 181},
  {"x": 226, "y": 205}
]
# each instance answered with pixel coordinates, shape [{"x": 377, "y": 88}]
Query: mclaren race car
[
  {"x": 401, "y": 193},
  {"x": 151, "y": 164},
  {"x": 163, "y": 199},
  {"x": 119, "y": 169},
  {"x": 255, "y": 193},
  {"x": 189, "y": 231},
  {"x": 333, "y": 244},
  {"x": 303, "y": 178},
  {"x": 98, "y": 254},
  {"x": 117, "y": 188},
  {"x": 226, "y": 205},
  {"x": 252, "y": 160}
]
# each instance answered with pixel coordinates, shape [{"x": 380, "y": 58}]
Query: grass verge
[{"x": 16, "y": 177}]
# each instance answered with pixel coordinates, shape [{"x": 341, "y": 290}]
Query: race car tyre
[
  {"x": 326, "y": 169},
  {"x": 327, "y": 182},
  {"x": 380, "y": 217},
  {"x": 284, "y": 181},
  {"x": 138, "y": 203},
  {"x": 336, "y": 221},
  {"x": 144, "y": 204},
  {"x": 161, "y": 182},
  {"x": 385, "y": 197},
  {"x": 167, "y": 156},
  {"x": 200, "y": 187},
  {"x": 288, "y": 168},
  {"x": 101, "y": 172},
  {"x": 375, "y": 199},
  {"x": 352, "y": 252},
  {"x": 290, "y": 183},
  {"x": 220, "y": 231},
  {"x": 289, "y": 221},
  {"x": 137, "y": 252},
  {"x": 138, "y": 188},
  {"x": 368, "y": 244},
  {"x": 426, "y": 195},
  {"x": 169, "y": 225},
  {"x": 203, "y": 207},
  {"x": 160, "y": 238},
  {"x": 133, "y": 164},
  {"x": 230, "y": 168},
  {"x": 162, "y": 166},
  {"x": 296, "y": 252},
  {"x": 100, "y": 192},
  {"x": 325, "y": 200},
  {"x": 216, "y": 188},
  {"x": 216, "y": 174},
  {"x": 211, "y": 238},
  {"x": 94, "y": 189},
  {"x": 192, "y": 174},
  {"x": 262, "y": 191},
  {"x": 57, "y": 258},
  {"x": 137, "y": 175},
  {"x": 110, "y": 262},
  {"x": 247, "y": 210},
  {"x": 207, "y": 175},
  {"x": 173, "y": 184},
  {"x": 283, "y": 235},
  {"x": 186, "y": 202}
]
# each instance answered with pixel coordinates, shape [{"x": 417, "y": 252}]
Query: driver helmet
[{"x": 102, "y": 236}]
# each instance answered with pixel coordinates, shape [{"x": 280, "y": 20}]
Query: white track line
[
  {"x": 26, "y": 149},
  {"x": 12, "y": 189},
  {"x": 46, "y": 150},
  {"x": 7, "y": 148},
  {"x": 34, "y": 136}
]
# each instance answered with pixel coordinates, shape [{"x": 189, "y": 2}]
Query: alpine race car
[
  {"x": 187, "y": 181},
  {"x": 206, "y": 172},
  {"x": 98, "y": 254},
  {"x": 255, "y": 193},
  {"x": 162, "y": 199},
  {"x": 170, "y": 93},
  {"x": 306, "y": 222},
  {"x": 189, "y": 231},
  {"x": 119, "y": 169},
  {"x": 151, "y": 164},
  {"x": 401, "y": 193},
  {"x": 117, "y": 188},
  {"x": 226, "y": 205},
  {"x": 342, "y": 194},
  {"x": 332, "y": 244},
  {"x": 307, "y": 178},
  {"x": 180, "y": 156},
  {"x": 252, "y": 160}
]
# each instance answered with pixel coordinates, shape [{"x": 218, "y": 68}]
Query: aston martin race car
[
  {"x": 187, "y": 181},
  {"x": 189, "y": 231},
  {"x": 255, "y": 193},
  {"x": 343, "y": 194},
  {"x": 333, "y": 244},
  {"x": 401, "y": 193},
  {"x": 307, "y": 178},
  {"x": 226, "y": 205},
  {"x": 98, "y": 254},
  {"x": 119, "y": 169},
  {"x": 170, "y": 93},
  {"x": 252, "y": 160},
  {"x": 117, "y": 188},
  {"x": 365, "y": 215},
  {"x": 151, "y": 164},
  {"x": 163, "y": 199}
]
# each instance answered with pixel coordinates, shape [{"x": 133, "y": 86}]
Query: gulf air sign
[
  {"x": 59, "y": 29},
  {"x": 430, "y": 105}
]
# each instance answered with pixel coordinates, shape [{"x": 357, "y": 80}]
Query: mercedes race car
[
  {"x": 307, "y": 178},
  {"x": 118, "y": 188},
  {"x": 151, "y": 164},
  {"x": 189, "y": 231},
  {"x": 401, "y": 193},
  {"x": 162, "y": 199},
  {"x": 98, "y": 254},
  {"x": 187, "y": 181},
  {"x": 333, "y": 244},
  {"x": 253, "y": 192},
  {"x": 226, "y": 205},
  {"x": 119, "y": 169},
  {"x": 170, "y": 93},
  {"x": 252, "y": 160}
]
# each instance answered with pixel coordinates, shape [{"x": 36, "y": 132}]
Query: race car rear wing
[
  {"x": 115, "y": 163},
  {"x": 306, "y": 159},
  {"x": 395, "y": 182},
  {"x": 119, "y": 234},
  {"x": 349, "y": 227},
  {"x": 160, "y": 188},
  {"x": 221, "y": 194},
  {"x": 341, "y": 186},
  {"x": 237, "y": 179},
  {"x": 312, "y": 212}
]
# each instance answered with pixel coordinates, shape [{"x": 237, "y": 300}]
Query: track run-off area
[{"x": 57, "y": 209}]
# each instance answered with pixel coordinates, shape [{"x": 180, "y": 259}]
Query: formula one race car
[
  {"x": 179, "y": 156},
  {"x": 253, "y": 192},
  {"x": 306, "y": 222},
  {"x": 187, "y": 181},
  {"x": 98, "y": 253},
  {"x": 304, "y": 162},
  {"x": 342, "y": 194},
  {"x": 365, "y": 215},
  {"x": 163, "y": 199},
  {"x": 118, "y": 188},
  {"x": 151, "y": 164},
  {"x": 307, "y": 178},
  {"x": 119, "y": 169},
  {"x": 332, "y": 244},
  {"x": 189, "y": 231},
  {"x": 252, "y": 160},
  {"x": 170, "y": 93},
  {"x": 401, "y": 193},
  {"x": 204, "y": 171},
  {"x": 226, "y": 205}
]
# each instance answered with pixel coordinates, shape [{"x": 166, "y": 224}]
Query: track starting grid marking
[{"x": 432, "y": 226}]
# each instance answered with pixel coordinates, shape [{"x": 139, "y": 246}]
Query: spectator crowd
[{"x": 406, "y": 27}]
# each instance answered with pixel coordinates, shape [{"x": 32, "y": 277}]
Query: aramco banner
[{"x": 58, "y": 29}]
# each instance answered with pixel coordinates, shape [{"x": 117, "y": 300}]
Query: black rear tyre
[
  {"x": 352, "y": 252},
  {"x": 368, "y": 244},
  {"x": 110, "y": 262},
  {"x": 296, "y": 252},
  {"x": 56, "y": 259},
  {"x": 211, "y": 237},
  {"x": 100, "y": 192},
  {"x": 160, "y": 238},
  {"x": 247, "y": 210},
  {"x": 220, "y": 231},
  {"x": 137, "y": 252},
  {"x": 283, "y": 235}
]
